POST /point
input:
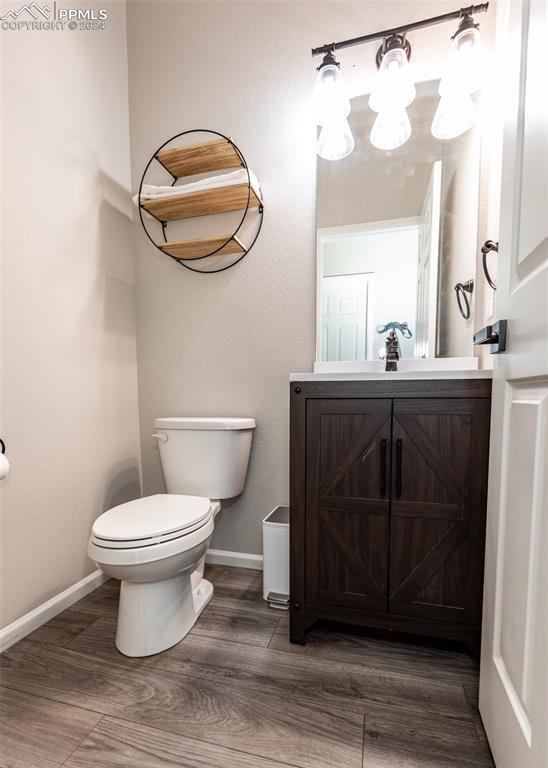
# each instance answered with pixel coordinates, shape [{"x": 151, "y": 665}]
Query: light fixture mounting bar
[{"x": 469, "y": 11}]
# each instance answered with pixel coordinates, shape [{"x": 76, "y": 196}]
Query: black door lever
[{"x": 493, "y": 334}]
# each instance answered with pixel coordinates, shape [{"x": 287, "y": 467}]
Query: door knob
[{"x": 493, "y": 334}]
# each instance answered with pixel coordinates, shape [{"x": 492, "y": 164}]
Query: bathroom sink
[
  {"x": 433, "y": 364},
  {"x": 428, "y": 368}
]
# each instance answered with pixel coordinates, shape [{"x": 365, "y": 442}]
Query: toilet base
[{"x": 154, "y": 616}]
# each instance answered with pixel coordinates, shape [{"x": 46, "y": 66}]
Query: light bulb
[
  {"x": 335, "y": 140},
  {"x": 454, "y": 116},
  {"x": 394, "y": 86},
  {"x": 465, "y": 65},
  {"x": 391, "y": 129},
  {"x": 471, "y": 58},
  {"x": 329, "y": 98},
  {"x": 463, "y": 75}
]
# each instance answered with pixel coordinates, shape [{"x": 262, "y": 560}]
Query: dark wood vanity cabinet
[{"x": 388, "y": 497}]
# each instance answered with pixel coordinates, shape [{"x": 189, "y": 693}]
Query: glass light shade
[
  {"x": 330, "y": 97},
  {"x": 454, "y": 116},
  {"x": 391, "y": 129},
  {"x": 394, "y": 86},
  {"x": 335, "y": 140},
  {"x": 466, "y": 64}
]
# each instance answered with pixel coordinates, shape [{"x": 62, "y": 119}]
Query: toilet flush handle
[{"x": 161, "y": 436}]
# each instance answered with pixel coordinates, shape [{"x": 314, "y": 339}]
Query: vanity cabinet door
[
  {"x": 347, "y": 507},
  {"x": 437, "y": 526}
]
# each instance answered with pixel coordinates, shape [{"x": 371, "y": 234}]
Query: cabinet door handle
[
  {"x": 398, "y": 466},
  {"x": 383, "y": 468}
]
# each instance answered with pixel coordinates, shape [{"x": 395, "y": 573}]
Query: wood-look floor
[{"x": 233, "y": 694}]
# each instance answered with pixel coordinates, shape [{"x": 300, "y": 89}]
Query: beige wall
[
  {"x": 68, "y": 361},
  {"x": 459, "y": 242},
  {"x": 226, "y": 343}
]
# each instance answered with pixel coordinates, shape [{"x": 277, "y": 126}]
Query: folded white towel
[{"x": 152, "y": 192}]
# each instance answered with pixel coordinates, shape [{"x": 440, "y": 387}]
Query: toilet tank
[{"x": 204, "y": 456}]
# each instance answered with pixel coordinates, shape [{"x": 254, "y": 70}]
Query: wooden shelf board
[
  {"x": 200, "y": 158},
  {"x": 202, "y": 203},
  {"x": 195, "y": 249}
]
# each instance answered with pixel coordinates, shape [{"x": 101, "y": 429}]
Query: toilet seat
[
  {"x": 153, "y": 553},
  {"x": 150, "y": 521}
]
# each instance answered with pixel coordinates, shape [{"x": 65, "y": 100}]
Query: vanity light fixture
[
  {"x": 394, "y": 89},
  {"x": 393, "y": 92},
  {"x": 331, "y": 107}
]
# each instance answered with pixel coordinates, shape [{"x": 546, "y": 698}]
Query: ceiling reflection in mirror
[{"x": 396, "y": 232}]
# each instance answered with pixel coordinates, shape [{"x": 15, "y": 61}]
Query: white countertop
[{"x": 392, "y": 376}]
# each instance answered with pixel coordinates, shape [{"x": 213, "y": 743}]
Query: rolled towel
[{"x": 153, "y": 192}]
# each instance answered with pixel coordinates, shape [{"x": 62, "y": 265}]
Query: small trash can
[{"x": 276, "y": 558}]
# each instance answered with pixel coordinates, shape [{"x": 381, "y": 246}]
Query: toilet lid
[{"x": 152, "y": 517}]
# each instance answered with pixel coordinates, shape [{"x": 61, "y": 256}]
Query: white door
[
  {"x": 344, "y": 317},
  {"x": 427, "y": 268},
  {"x": 514, "y": 659}
]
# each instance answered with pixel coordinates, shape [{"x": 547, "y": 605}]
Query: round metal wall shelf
[{"x": 194, "y": 159}]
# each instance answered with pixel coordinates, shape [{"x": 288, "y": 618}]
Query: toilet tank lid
[{"x": 203, "y": 422}]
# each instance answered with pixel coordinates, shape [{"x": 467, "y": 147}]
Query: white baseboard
[
  {"x": 234, "y": 559},
  {"x": 22, "y": 627}
]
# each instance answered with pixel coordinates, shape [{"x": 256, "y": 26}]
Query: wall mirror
[{"x": 396, "y": 232}]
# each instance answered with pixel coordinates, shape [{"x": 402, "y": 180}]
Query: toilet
[{"x": 156, "y": 545}]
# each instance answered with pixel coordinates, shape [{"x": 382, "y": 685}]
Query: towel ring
[
  {"x": 164, "y": 224},
  {"x": 461, "y": 291},
  {"x": 487, "y": 247}
]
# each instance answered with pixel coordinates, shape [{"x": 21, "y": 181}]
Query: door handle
[
  {"x": 399, "y": 446},
  {"x": 493, "y": 334},
  {"x": 383, "y": 469}
]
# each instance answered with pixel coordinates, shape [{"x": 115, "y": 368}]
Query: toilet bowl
[{"x": 156, "y": 545}]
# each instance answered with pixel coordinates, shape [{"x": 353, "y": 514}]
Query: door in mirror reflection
[{"x": 346, "y": 303}]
